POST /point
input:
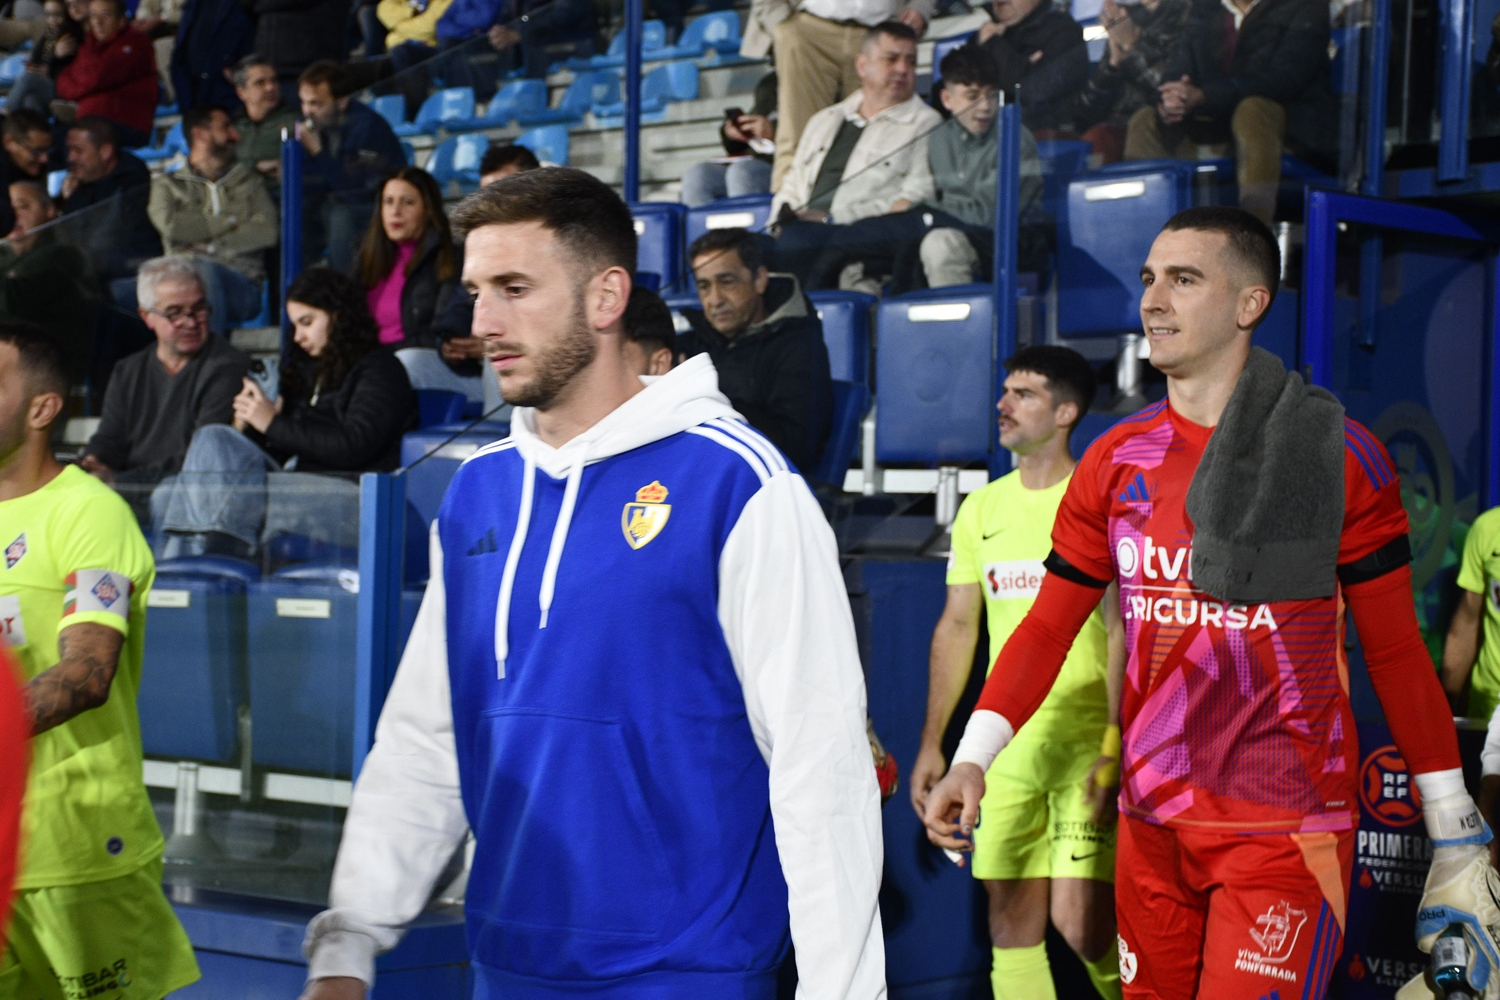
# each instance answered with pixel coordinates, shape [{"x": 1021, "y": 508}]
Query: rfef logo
[{"x": 1387, "y": 790}]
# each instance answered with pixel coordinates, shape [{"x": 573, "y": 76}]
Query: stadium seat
[
  {"x": 427, "y": 475},
  {"x": 409, "y": 151},
  {"x": 452, "y": 104},
  {"x": 174, "y": 143},
  {"x": 194, "y": 682},
  {"x": 658, "y": 230},
  {"x": 1062, "y": 160},
  {"x": 851, "y": 400},
  {"x": 456, "y": 159},
  {"x": 162, "y": 110},
  {"x": 436, "y": 407},
  {"x": 942, "y": 47},
  {"x": 674, "y": 81},
  {"x": 934, "y": 377},
  {"x": 391, "y": 107},
  {"x": 846, "y": 331},
  {"x": 11, "y": 68},
  {"x": 507, "y": 105},
  {"x": 653, "y": 40},
  {"x": 716, "y": 32},
  {"x": 549, "y": 143},
  {"x": 594, "y": 87},
  {"x": 750, "y": 211},
  {"x": 55, "y": 180}
]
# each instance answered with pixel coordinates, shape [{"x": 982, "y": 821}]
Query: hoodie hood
[
  {"x": 784, "y": 300},
  {"x": 685, "y": 397}
]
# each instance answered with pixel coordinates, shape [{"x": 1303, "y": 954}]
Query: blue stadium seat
[
  {"x": 11, "y": 68},
  {"x": 750, "y": 211},
  {"x": 409, "y": 151},
  {"x": 452, "y": 104},
  {"x": 1062, "y": 160},
  {"x": 163, "y": 110},
  {"x": 436, "y": 407},
  {"x": 514, "y": 99},
  {"x": 717, "y": 32},
  {"x": 846, "y": 331},
  {"x": 653, "y": 40},
  {"x": 942, "y": 47},
  {"x": 851, "y": 400},
  {"x": 391, "y": 107},
  {"x": 193, "y": 679},
  {"x": 174, "y": 143},
  {"x": 594, "y": 87},
  {"x": 457, "y": 159},
  {"x": 55, "y": 180},
  {"x": 427, "y": 478},
  {"x": 934, "y": 376},
  {"x": 673, "y": 81},
  {"x": 549, "y": 143},
  {"x": 658, "y": 230}
]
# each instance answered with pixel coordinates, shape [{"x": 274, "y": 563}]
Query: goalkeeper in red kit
[{"x": 1240, "y": 516}]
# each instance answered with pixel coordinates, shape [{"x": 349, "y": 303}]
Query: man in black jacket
[
  {"x": 766, "y": 341},
  {"x": 1143, "y": 38},
  {"x": 115, "y": 187},
  {"x": 1040, "y": 50},
  {"x": 1257, "y": 77}
]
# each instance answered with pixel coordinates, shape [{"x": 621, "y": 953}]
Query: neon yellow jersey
[
  {"x": 1000, "y": 537},
  {"x": 74, "y": 553},
  {"x": 1479, "y": 572}
]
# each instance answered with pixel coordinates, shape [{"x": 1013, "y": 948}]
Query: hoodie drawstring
[
  {"x": 512, "y": 560},
  {"x": 560, "y": 535}
]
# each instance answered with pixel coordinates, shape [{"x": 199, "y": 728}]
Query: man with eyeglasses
[{"x": 159, "y": 396}]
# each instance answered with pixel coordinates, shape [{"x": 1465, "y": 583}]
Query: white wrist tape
[
  {"x": 1451, "y": 816},
  {"x": 984, "y": 737}
]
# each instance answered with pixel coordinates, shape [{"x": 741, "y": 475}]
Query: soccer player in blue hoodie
[{"x": 633, "y": 676}]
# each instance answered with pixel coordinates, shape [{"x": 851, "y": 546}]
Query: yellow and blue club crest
[{"x": 644, "y": 519}]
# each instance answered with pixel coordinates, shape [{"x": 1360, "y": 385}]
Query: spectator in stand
[
  {"x": 211, "y": 35},
  {"x": 113, "y": 76},
  {"x": 218, "y": 209},
  {"x": 159, "y": 21},
  {"x": 817, "y": 48},
  {"x": 47, "y": 281},
  {"x": 411, "y": 39},
  {"x": 1142, "y": 37},
  {"x": 35, "y": 89},
  {"x": 117, "y": 235},
  {"x": 520, "y": 30},
  {"x": 751, "y": 172},
  {"x": 350, "y": 150},
  {"x": 408, "y": 263},
  {"x": 766, "y": 342},
  {"x": 27, "y": 141},
  {"x": 650, "y": 334},
  {"x": 499, "y": 162},
  {"x": 159, "y": 396},
  {"x": 1038, "y": 50},
  {"x": 295, "y": 34},
  {"x": 266, "y": 113},
  {"x": 875, "y": 137},
  {"x": 1253, "y": 79}
]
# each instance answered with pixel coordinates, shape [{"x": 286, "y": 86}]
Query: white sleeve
[
  {"x": 405, "y": 819},
  {"x": 1489, "y": 757},
  {"x": 785, "y": 615},
  {"x": 796, "y": 186}
]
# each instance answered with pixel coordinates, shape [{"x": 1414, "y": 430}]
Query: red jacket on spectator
[{"x": 115, "y": 80}]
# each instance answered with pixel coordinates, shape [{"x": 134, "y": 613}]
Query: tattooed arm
[{"x": 88, "y": 655}]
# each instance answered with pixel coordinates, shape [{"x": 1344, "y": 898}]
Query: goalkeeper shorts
[{"x": 1231, "y": 916}]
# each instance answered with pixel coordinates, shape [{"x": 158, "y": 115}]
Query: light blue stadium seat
[
  {"x": 436, "y": 407},
  {"x": 549, "y": 143},
  {"x": 457, "y": 158},
  {"x": 174, "y": 142},
  {"x": 942, "y": 47},
  {"x": 11, "y": 68},
  {"x": 508, "y": 104},
  {"x": 934, "y": 376},
  {"x": 851, "y": 400},
  {"x": 658, "y": 231},
  {"x": 451, "y": 104},
  {"x": 427, "y": 478},
  {"x": 55, "y": 180},
  {"x": 165, "y": 109},
  {"x": 391, "y": 107},
  {"x": 193, "y": 678},
  {"x": 751, "y": 211},
  {"x": 846, "y": 331},
  {"x": 716, "y": 32},
  {"x": 673, "y": 81},
  {"x": 594, "y": 87},
  {"x": 653, "y": 40}
]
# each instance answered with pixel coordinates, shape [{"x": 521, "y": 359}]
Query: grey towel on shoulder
[{"x": 1267, "y": 501}]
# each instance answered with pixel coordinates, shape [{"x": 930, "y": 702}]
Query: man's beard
[{"x": 557, "y": 365}]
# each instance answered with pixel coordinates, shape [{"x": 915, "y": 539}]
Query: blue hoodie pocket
[{"x": 572, "y": 842}]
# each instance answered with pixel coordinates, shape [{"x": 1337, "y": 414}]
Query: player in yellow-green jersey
[
  {"x": 1471, "y": 653},
  {"x": 90, "y": 919},
  {"x": 1045, "y": 846}
]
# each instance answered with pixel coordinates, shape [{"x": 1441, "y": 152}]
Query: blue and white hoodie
[{"x": 634, "y": 677}]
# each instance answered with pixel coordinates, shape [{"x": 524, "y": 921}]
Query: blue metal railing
[
  {"x": 632, "y": 185},
  {"x": 1007, "y": 208},
  {"x": 291, "y": 222}
]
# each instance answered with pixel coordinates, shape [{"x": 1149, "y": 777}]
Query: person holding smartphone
[{"x": 750, "y": 145}]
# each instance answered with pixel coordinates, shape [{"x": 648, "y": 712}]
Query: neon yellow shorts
[
  {"x": 112, "y": 940},
  {"x": 1034, "y": 817}
]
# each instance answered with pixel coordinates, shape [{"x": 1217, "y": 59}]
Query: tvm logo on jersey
[{"x": 1166, "y": 567}]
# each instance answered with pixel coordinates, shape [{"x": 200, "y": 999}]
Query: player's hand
[
  {"x": 926, "y": 772},
  {"x": 1462, "y": 888},
  {"x": 953, "y": 808},
  {"x": 335, "y": 988},
  {"x": 1103, "y": 791}
]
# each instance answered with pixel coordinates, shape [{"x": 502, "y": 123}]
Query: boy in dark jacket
[
  {"x": 1039, "y": 50},
  {"x": 766, "y": 341},
  {"x": 1257, "y": 78}
]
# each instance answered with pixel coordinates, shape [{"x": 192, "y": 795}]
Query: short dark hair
[
  {"x": 100, "y": 130},
  {"x": 894, "y": 29},
  {"x": 968, "y": 64},
  {"x": 583, "y": 212},
  {"x": 241, "y": 71},
  {"x": 499, "y": 157},
  {"x": 741, "y": 241},
  {"x": 119, "y": 5},
  {"x": 42, "y": 357},
  {"x": 1070, "y": 377},
  {"x": 326, "y": 71},
  {"x": 648, "y": 321},
  {"x": 1250, "y": 239},
  {"x": 22, "y": 122},
  {"x": 201, "y": 117}
]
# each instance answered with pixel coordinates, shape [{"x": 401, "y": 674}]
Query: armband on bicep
[
  {"x": 1392, "y": 555},
  {"x": 98, "y": 590},
  {"x": 1055, "y": 563}
]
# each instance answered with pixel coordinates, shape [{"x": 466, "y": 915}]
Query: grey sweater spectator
[
  {"x": 159, "y": 396},
  {"x": 117, "y": 235}
]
